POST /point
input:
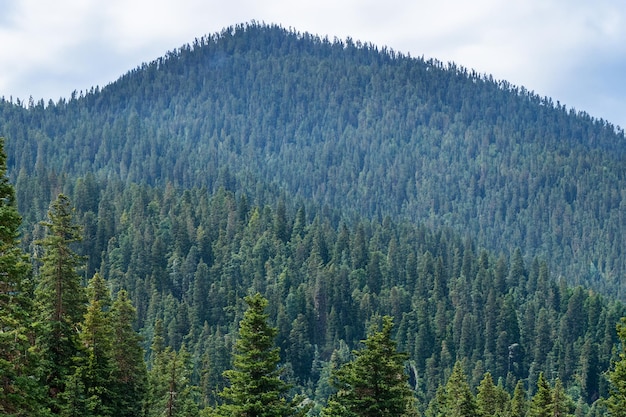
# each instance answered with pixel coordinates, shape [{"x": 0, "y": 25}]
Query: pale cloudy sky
[{"x": 571, "y": 50}]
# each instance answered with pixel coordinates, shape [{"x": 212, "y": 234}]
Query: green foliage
[
  {"x": 60, "y": 299},
  {"x": 19, "y": 393},
  {"x": 363, "y": 129},
  {"x": 455, "y": 399},
  {"x": 541, "y": 404},
  {"x": 255, "y": 388},
  {"x": 335, "y": 179},
  {"x": 492, "y": 400},
  {"x": 374, "y": 383},
  {"x": 514, "y": 327},
  {"x": 129, "y": 377},
  {"x": 562, "y": 404},
  {"x": 109, "y": 376},
  {"x": 170, "y": 392},
  {"x": 95, "y": 365},
  {"x": 550, "y": 401},
  {"x": 616, "y": 401},
  {"x": 60, "y": 292},
  {"x": 519, "y": 404}
]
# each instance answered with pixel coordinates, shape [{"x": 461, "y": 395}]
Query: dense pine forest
[
  {"x": 365, "y": 131},
  {"x": 358, "y": 206}
]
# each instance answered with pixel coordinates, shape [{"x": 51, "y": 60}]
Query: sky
[{"x": 573, "y": 51}]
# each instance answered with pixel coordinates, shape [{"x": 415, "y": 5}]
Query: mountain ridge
[
  {"x": 366, "y": 130},
  {"x": 343, "y": 184}
]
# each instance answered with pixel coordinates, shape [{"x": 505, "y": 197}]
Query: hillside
[
  {"x": 365, "y": 130},
  {"x": 340, "y": 181}
]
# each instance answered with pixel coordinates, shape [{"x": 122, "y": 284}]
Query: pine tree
[
  {"x": 374, "y": 382},
  {"x": 616, "y": 403},
  {"x": 129, "y": 375},
  {"x": 60, "y": 298},
  {"x": 73, "y": 401},
  {"x": 562, "y": 404},
  {"x": 19, "y": 394},
  {"x": 491, "y": 400},
  {"x": 541, "y": 403},
  {"x": 170, "y": 392},
  {"x": 457, "y": 399},
  {"x": 256, "y": 389},
  {"x": 590, "y": 371},
  {"x": 437, "y": 404},
  {"x": 519, "y": 404},
  {"x": 96, "y": 366},
  {"x": 550, "y": 401}
]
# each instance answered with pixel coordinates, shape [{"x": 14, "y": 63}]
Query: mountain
[
  {"x": 368, "y": 131},
  {"x": 343, "y": 182}
]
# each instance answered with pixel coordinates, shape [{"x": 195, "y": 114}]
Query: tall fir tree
[
  {"x": 562, "y": 403},
  {"x": 129, "y": 376},
  {"x": 519, "y": 404},
  {"x": 170, "y": 392},
  {"x": 374, "y": 383},
  {"x": 96, "y": 364},
  {"x": 455, "y": 398},
  {"x": 541, "y": 403},
  {"x": 19, "y": 393},
  {"x": 491, "y": 399},
  {"x": 550, "y": 401},
  {"x": 256, "y": 389},
  {"x": 61, "y": 299}
]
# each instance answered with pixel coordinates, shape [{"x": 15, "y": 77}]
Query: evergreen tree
[
  {"x": 129, "y": 377},
  {"x": 374, "y": 383},
  {"x": 325, "y": 389},
  {"x": 171, "y": 393},
  {"x": 590, "y": 371},
  {"x": 95, "y": 365},
  {"x": 519, "y": 404},
  {"x": 61, "y": 299},
  {"x": 550, "y": 401},
  {"x": 437, "y": 403},
  {"x": 616, "y": 403},
  {"x": 19, "y": 394},
  {"x": 491, "y": 400},
  {"x": 256, "y": 389},
  {"x": 541, "y": 403},
  {"x": 562, "y": 404},
  {"x": 455, "y": 399},
  {"x": 73, "y": 401}
]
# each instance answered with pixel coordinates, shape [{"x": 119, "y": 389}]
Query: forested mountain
[
  {"x": 343, "y": 183},
  {"x": 188, "y": 257},
  {"x": 365, "y": 130}
]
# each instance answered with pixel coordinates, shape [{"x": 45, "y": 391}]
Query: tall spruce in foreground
[
  {"x": 616, "y": 403},
  {"x": 129, "y": 368},
  {"x": 491, "y": 399},
  {"x": 519, "y": 403},
  {"x": 550, "y": 401},
  {"x": 95, "y": 367},
  {"x": 171, "y": 393},
  {"x": 374, "y": 383},
  {"x": 256, "y": 389},
  {"x": 18, "y": 389},
  {"x": 61, "y": 300},
  {"x": 455, "y": 398},
  {"x": 541, "y": 404}
]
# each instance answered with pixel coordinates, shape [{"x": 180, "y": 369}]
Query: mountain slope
[{"x": 370, "y": 132}]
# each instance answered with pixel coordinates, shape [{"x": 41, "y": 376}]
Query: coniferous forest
[{"x": 269, "y": 223}]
